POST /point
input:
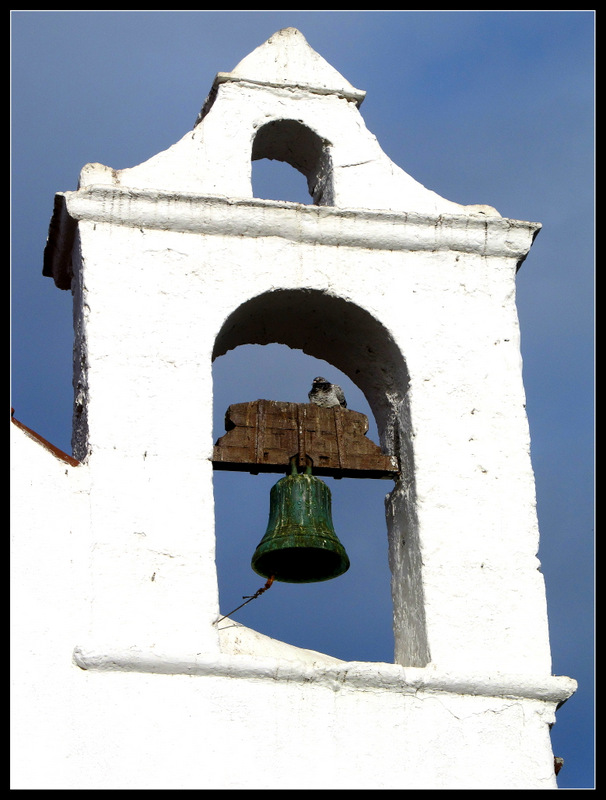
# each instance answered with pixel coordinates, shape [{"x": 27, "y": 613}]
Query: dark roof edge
[{"x": 41, "y": 440}]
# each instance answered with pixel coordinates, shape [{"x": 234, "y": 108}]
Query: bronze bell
[{"x": 300, "y": 544}]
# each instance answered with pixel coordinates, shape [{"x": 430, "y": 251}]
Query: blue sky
[{"x": 481, "y": 107}]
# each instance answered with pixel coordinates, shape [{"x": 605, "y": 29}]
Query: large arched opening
[{"x": 330, "y": 331}]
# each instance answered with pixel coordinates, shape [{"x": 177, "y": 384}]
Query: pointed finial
[{"x": 287, "y": 60}]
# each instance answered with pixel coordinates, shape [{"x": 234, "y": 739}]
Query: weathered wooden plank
[{"x": 263, "y": 435}]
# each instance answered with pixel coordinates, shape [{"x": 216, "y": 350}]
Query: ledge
[
  {"x": 333, "y": 227},
  {"x": 346, "y": 674},
  {"x": 353, "y": 94}
]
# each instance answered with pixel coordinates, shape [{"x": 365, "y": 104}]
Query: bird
[{"x": 326, "y": 394}]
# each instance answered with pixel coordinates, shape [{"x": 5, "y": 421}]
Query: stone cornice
[
  {"x": 347, "y": 674},
  {"x": 322, "y": 225},
  {"x": 354, "y": 95}
]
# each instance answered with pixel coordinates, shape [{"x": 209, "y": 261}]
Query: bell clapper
[{"x": 248, "y": 598}]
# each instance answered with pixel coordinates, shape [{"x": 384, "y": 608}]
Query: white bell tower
[{"x": 173, "y": 263}]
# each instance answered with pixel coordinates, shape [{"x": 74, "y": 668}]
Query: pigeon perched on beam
[{"x": 326, "y": 394}]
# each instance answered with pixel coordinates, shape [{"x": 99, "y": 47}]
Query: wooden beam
[{"x": 263, "y": 435}]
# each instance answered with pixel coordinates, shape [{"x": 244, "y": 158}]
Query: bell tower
[{"x": 171, "y": 264}]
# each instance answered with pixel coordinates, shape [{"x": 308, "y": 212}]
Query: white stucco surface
[{"x": 171, "y": 264}]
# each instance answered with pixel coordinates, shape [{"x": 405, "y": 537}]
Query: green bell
[{"x": 300, "y": 544}]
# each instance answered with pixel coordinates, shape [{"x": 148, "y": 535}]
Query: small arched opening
[
  {"x": 343, "y": 337},
  {"x": 294, "y": 144}
]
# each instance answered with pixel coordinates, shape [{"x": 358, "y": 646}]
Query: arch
[
  {"x": 277, "y": 180},
  {"x": 290, "y": 141},
  {"x": 332, "y": 329},
  {"x": 349, "y": 337}
]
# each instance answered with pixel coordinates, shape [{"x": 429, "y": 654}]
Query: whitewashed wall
[{"x": 171, "y": 264}]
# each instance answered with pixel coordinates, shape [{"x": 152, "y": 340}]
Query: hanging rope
[{"x": 247, "y": 599}]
